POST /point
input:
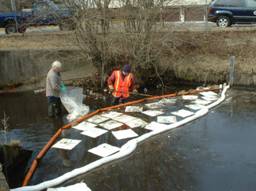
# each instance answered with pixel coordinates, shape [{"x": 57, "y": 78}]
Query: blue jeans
[
  {"x": 54, "y": 106},
  {"x": 118, "y": 100}
]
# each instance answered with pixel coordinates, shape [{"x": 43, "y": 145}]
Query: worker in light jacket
[{"x": 54, "y": 86}]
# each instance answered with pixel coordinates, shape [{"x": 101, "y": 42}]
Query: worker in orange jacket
[{"x": 121, "y": 83}]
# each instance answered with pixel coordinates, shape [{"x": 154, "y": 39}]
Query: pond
[{"x": 215, "y": 152}]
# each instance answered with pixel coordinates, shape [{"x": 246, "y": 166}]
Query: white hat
[{"x": 56, "y": 64}]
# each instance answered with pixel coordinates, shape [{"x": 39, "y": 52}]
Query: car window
[
  {"x": 230, "y": 3},
  {"x": 251, "y": 3},
  {"x": 42, "y": 8}
]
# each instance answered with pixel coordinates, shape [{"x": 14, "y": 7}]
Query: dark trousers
[
  {"x": 54, "y": 106},
  {"x": 118, "y": 100}
]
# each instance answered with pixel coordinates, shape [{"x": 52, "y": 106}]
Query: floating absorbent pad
[
  {"x": 201, "y": 102},
  {"x": 183, "y": 113},
  {"x": 66, "y": 144},
  {"x": 133, "y": 109},
  {"x": 93, "y": 132},
  {"x": 109, "y": 125},
  {"x": 209, "y": 94},
  {"x": 124, "y": 134},
  {"x": 209, "y": 98},
  {"x": 189, "y": 97},
  {"x": 136, "y": 123},
  {"x": 154, "y": 126},
  {"x": 83, "y": 125},
  {"x": 166, "y": 119},
  {"x": 194, "y": 106},
  {"x": 155, "y": 105},
  {"x": 97, "y": 119},
  {"x": 152, "y": 113},
  {"x": 111, "y": 114},
  {"x": 168, "y": 101},
  {"x": 76, "y": 187},
  {"x": 125, "y": 118},
  {"x": 104, "y": 150}
]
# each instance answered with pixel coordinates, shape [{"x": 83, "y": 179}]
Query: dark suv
[{"x": 228, "y": 12}]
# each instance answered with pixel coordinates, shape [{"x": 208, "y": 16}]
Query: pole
[
  {"x": 206, "y": 15},
  {"x": 232, "y": 62},
  {"x": 13, "y": 4}
]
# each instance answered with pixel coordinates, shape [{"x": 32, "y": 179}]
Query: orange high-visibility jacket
[{"x": 122, "y": 86}]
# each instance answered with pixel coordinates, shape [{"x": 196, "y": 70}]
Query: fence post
[
  {"x": 232, "y": 62},
  {"x": 182, "y": 14},
  {"x": 206, "y": 15}
]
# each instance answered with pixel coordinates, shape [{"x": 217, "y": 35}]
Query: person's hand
[
  {"x": 63, "y": 88},
  {"x": 111, "y": 88}
]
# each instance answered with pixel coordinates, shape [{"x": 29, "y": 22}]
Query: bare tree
[
  {"x": 5, "y": 125},
  {"x": 5, "y": 122},
  {"x": 110, "y": 32}
]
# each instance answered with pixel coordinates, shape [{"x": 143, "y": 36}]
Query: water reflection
[{"x": 212, "y": 153}]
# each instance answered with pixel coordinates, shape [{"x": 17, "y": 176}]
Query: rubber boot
[
  {"x": 57, "y": 109},
  {"x": 51, "y": 112}
]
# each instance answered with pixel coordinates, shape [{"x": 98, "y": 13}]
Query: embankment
[{"x": 196, "y": 56}]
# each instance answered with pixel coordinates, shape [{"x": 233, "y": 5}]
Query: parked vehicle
[
  {"x": 227, "y": 12},
  {"x": 43, "y": 13}
]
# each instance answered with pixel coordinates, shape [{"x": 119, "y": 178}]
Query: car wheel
[
  {"x": 10, "y": 28},
  {"x": 223, "y": 21},
  {"x": 22, "y": 29}
]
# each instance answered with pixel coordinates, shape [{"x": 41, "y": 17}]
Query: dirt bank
[{"x": 196, "y": 56}]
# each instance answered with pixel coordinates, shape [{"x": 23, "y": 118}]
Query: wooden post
[
  {"x": 182, "y": 14},
  {"x": 232, "y": 62}
]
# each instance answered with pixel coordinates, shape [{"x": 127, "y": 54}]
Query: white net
[{"x": 72, "y": 100}]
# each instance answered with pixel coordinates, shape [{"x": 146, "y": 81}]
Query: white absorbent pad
[
  {"x": 111, "y": 114},
  {"x": 183, "y": 113},
  {"x": 125, "y": 118},
  {"x": 97, "y": 119},
  {"x": 209, "y": 94},
  {"x": 166, "y": 119},
  {"x": 133, "y": 109},
  {"x": 209, "y": 98},
  {"x": 136, "y": 123},
  {"x": 168, "y": 101},
  {"x": 124, "y": 134},
  {"x": 104, "y": 150},
  {"x": 109, "y": 125},
  {"x": 93, "y": 132},
  {"x": 202, "y": 102},
  {"x": 152, "y": 113},
  {"x": 189, "y": 97},
  {"x": 194, "y": 106},
  {"x": 155, "y": 105},
  {"x": 76, "y": 187},
  {"x": 83, "y": 125},
  {"x": 66, "y": 144},
  {"x": 154, "y": 126}
]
